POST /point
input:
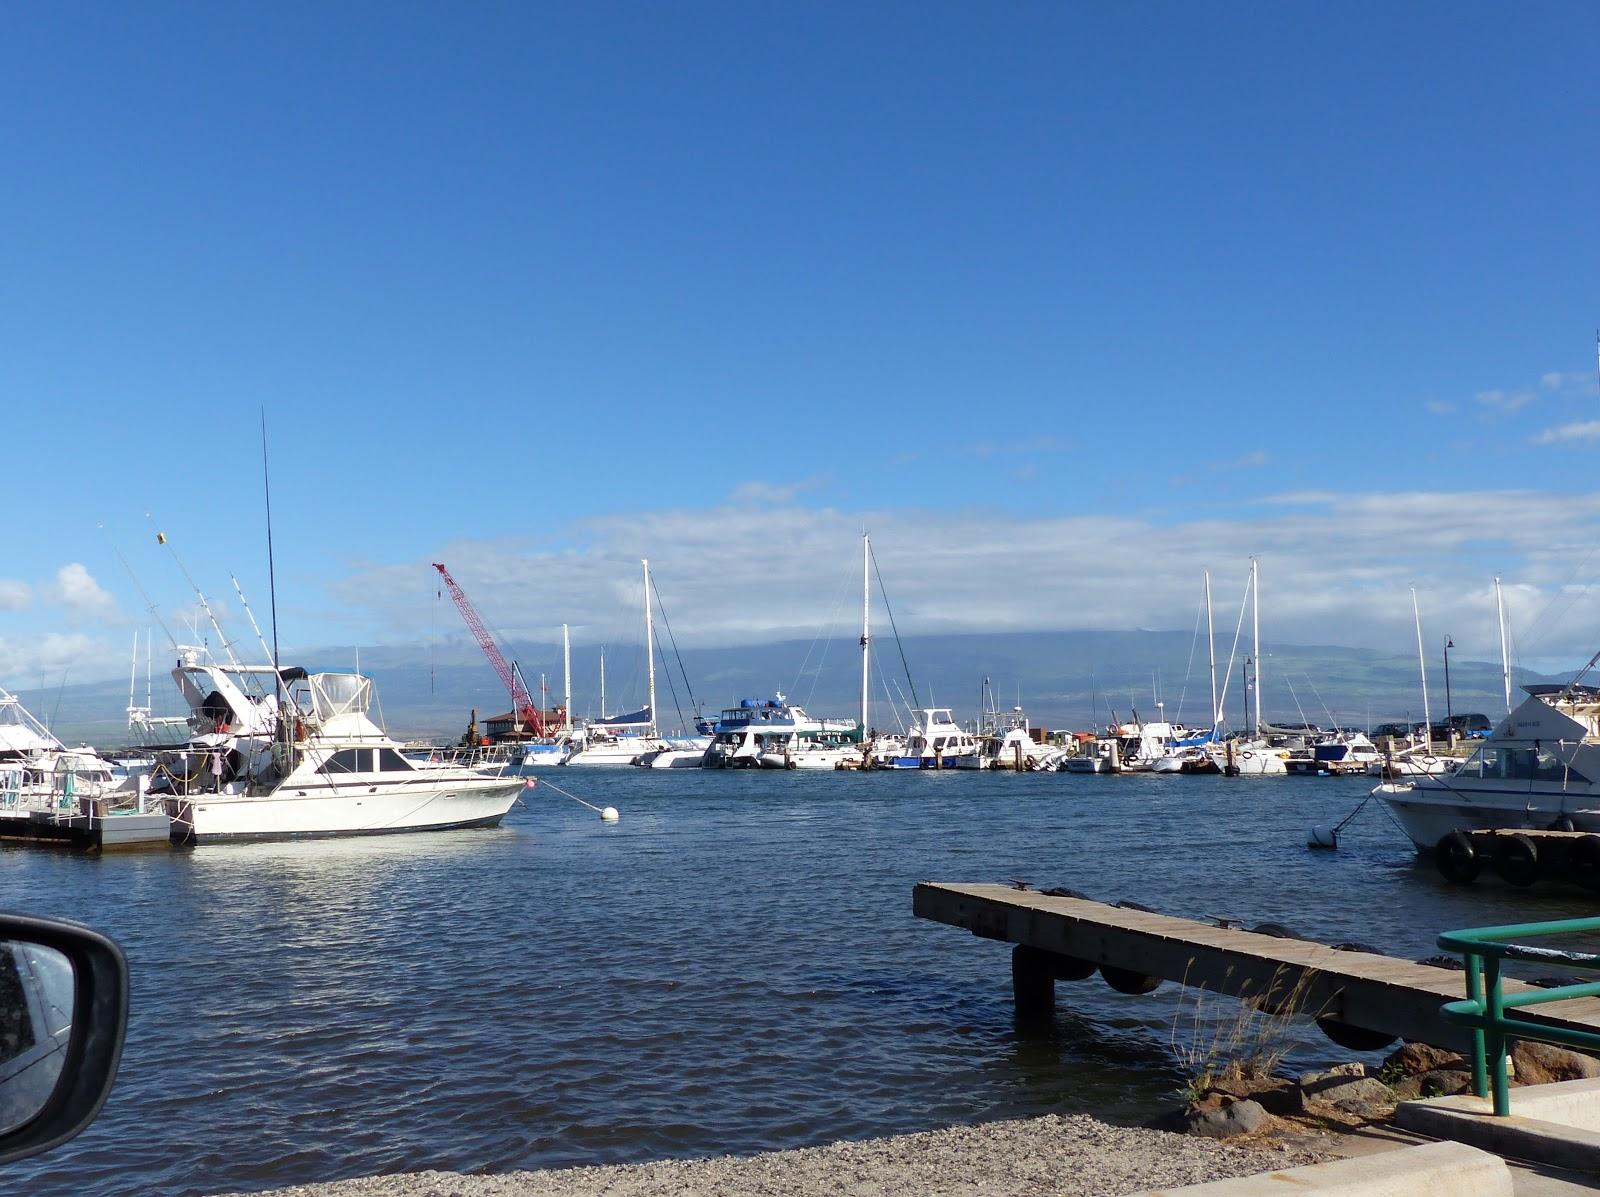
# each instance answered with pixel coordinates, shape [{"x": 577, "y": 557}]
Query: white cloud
[
  {"x": 769, "y": 492},
  {"x": 1036, "y": 444},
  {"x": 1566, "y": 434},
  {"x": 53, "y": 654},
  {"x": 1336, "y": 570},
  {"x": 1249, "y": 461},
  {"x": 1439, "y": 407},
  {"x": 76, "y": 590},
  {"x": 14, "y": 596},
  {"x": 1506, "y": 401}
]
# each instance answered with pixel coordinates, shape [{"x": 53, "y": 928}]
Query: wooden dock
[{"x": 1360, "y": 999}]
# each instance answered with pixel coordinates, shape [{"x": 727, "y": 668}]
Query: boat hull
[
  {"x": 1429, "y": 815},
  {"x": 207, "y": 818}
]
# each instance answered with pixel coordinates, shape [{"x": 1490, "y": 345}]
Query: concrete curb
[
  {"x": 1437, "y": 1169},
  {"x": 1557, "y": 1124}
]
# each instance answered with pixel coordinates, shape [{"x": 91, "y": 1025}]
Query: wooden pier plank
[{"x": 1366, "y": 990}]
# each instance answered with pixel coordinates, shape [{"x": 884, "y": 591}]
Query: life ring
[
  {"x": 1585, "y": 862},
  {"x": 1457, "y": 859},
  {"x": 1246, "y": 755},
  {"x": 1516, "y": 859}
]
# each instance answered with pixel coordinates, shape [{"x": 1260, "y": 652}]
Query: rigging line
[
  {"x": 1332, "y": 718},
  {"x": 1194, "y": 643},
  {"x": 1222, "y": 700},
  {"x": 831, "y": 624},
  {"x": 1556, "y": 594},
  {"x": 1296, "y": 698},
  {"x": 694, "y": 705},
  {"x": 890, "y": 610}
]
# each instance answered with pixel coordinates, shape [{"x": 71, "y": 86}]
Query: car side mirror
[{"x": 63, "y": 1015}]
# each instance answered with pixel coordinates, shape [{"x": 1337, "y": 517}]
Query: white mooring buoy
[
  {"x": 1323, "y": 837},
  {"x": 610, "y": 814}
]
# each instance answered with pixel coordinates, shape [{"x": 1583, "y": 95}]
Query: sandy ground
[{"x": 1053, "y": 1156}]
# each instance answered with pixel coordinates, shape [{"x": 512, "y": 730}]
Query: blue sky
[{"x": 1065, "y": 301}]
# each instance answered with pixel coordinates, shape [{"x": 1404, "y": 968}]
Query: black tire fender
[
  {"x": 1457, "y": 859},
  {"x": 1584, "y": 862},
  {"x": 1516, "y": 859},
  {"x": 1356, "y": 1039},
  {"x": 1127, "y": 981}
]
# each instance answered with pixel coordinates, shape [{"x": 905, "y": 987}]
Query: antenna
[
  {"x": 272, "y": 576},
  {"x": 227, "y": 645}
]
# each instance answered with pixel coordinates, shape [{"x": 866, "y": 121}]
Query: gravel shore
[{"x": 1053, "y": 1156}]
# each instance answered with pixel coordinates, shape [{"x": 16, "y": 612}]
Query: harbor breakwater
[{"x": 732, "y": 968}]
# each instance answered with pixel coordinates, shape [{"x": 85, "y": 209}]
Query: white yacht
[
  {"x": 1540, "y": 769},
  {"x": 936, "y": 741},
  {"x": 618, "y": 740},
  {"x": 280, "y": 754},
  {"x": 39, "y": 772}
]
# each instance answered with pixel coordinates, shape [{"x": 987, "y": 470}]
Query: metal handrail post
[
  {"x": 1480, "y": 1074},
  {"x": 1495, "y": 1037}
]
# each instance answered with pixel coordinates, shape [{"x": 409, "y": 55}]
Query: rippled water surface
[{"x": 732, "y": 967}]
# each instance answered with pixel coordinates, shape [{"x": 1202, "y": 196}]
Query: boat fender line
[
  {"x": 1356, "y": 1039},
  {"x": 1516, "y": 859},
  {"x": 1457, "y": 859},
  {"x": 1125, "y": 980},
  {"x": 1585, "y": 862}
]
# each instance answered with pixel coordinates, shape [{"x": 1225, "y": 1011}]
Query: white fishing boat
[
  {"x": 281, "y": 754},
  {"x": 1540, "y": 769},
  {"x": 39, "y": 772},
  {"x": 677, "y": 752}
]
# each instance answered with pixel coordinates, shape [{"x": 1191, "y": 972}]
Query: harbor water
[{"x": 732, "y": 967}]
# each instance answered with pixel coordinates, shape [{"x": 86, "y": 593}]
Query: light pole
[{"x": 1449, "y": 715}]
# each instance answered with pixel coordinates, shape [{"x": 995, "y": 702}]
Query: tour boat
[
  {"x": 771, "y": 733},
  {"x": 936, "y": 741}
]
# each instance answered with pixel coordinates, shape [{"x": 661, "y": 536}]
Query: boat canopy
[{"x": 20, "y": 732}]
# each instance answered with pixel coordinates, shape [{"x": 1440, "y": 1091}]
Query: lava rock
[
  {"x": 1362, "y": 1095},
  {"x": 1414, "y": 1059},
  {"x": 1444, "y": 1082},
  {"x": 1309, "y": 1080},
  {"x": 1542, "y": 1063},
  {"x": 1224, "y": 1122}
]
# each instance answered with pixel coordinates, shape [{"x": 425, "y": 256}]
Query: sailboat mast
[
  {"x": 1255, "y": 634},
  {"x": 566, "y": 679},
  {"x": 1505, "y": 661},
  {"x": 650, "y": 644},
  {"x": 866, "y": 624},
  {"x": 602, "y": 681},
  {"x": 1211, "y": 647},
  {"x": 1422, "y": 668}
]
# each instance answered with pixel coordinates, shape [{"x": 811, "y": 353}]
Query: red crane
[{"x": 522, "y": 702}]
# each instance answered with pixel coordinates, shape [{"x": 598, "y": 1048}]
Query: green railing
[{"x": 1486, "y": 1006}]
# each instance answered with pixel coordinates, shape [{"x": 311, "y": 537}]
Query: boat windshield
[
  {"x": 1520, "y": 764},
  {"x": 334, "y": 694}
]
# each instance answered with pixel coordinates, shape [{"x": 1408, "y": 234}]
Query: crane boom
[{"x": 521, "y": 700}]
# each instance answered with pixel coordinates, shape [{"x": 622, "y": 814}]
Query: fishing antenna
[
  {"x": 227, "y": 645},
  {"x": 155, "y": 612},
  {"x": 260, "y": 639},
  {"x": 272, "y": 577}
]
